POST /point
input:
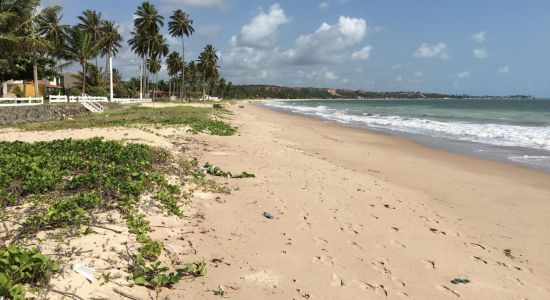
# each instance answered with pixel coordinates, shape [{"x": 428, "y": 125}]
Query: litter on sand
[
  {"x": 459, "y": 280},
  {"x": 268, "y": 215},
  {"x": 85, "y": 271}
]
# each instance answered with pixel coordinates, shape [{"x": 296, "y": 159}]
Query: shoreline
[{"x": 511, "y": 155}]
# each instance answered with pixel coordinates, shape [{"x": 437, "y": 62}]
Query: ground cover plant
[
  {"x": 217, "y": 171},
  {"x": 66, "y": 183},
  {"x": 199, "y": 119}
]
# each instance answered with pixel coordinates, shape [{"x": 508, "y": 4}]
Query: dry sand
[{"x": 358, "y": 215}]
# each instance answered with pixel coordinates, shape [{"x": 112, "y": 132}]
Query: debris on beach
[
  {"x": 268, "y": 215},
  {"x": 85, "y": 271},
  {"x": 459, "y": 280},
  {"x": 216, "y": 171}
]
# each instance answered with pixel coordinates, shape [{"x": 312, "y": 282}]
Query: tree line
[{"x": 34, "y": 43}]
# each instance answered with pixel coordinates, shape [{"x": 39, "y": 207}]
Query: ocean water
[{"x": 516, "y": 131}]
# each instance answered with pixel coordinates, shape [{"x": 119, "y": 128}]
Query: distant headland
[{"x": 282, "y": 92}]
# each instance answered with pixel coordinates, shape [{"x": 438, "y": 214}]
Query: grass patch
[{"x": 199, "y": 119}]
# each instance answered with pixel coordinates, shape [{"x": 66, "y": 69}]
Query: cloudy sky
[{"x": 477, "y": 47}]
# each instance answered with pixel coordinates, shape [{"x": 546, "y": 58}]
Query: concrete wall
[{"x": 16, "y": 115}]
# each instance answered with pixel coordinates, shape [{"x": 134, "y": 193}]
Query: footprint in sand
[
  {"x": 398, "y": 244},
  {"x": 380, "y": 290},
  {"x": 479, "y": 259},
  {"x": 378, "y": 245},
  {"x": 323, "y": 260},
  {"x": 430, "y": 264},
  {"x": 448, "y": 291},
  {"x": 319, "y": 241},
  {"x": 398, "y": 282},
  {"x": 381, "y": 267},
  {"x": 365, "y": 285},
  {"x": 337, "y": 281},
  {"x": 353, "y": 244}
]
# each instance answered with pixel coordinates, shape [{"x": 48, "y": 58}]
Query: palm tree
[
  {"x": 50, "y": 28},
  {"x": 222, "y": 86},
  {"x": 159, "y": 49},
  {"x": 208, "y": 64},
  {"x": 95, "y": 79},
  {"x": 229, "y": 89},
  {"x": 110, "y": 43},
  {"x": 111, "y": 40},
  {"x": 154, "y": 66},
  {"x": 148, "y": 18},
  {"x": 181, "y": 26},
  {"x": 81, "y": 48},
  {"x": 174, "y": 64},
  {"x": 90, "y": 22},
  {"x": 147, "y": 24}
]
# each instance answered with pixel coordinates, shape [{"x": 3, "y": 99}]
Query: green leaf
[{"x": 140, "y": 281}]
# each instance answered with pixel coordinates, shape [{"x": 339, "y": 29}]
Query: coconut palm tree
[
  {"x": 181, "y": 26},
  {"x": 208, "y": 65},
  {"x": 222, "y": 86},
  {"x": 174, "y": 64},
  {"x": 154, "y": 66},
  {"x": 110, "y": 43},
  {"x": 81, "y": 48},
  {"x": 111, "y": 40},
  {"x": 139, "y": 43},
  {"x": 50, "y": 28},
  {"x": 148, "y": 18},
  {"x": 95, "y": 79},
  {"x": 90, "y": 22},
  {"x": 147, "y": 24},
  {"x": 158, "y": 49}
]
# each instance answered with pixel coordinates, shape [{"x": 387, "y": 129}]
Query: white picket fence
[
  {"x": 5, "y": 102},
  {"x": 95, "y": 107},
  {"x": 58, "y": 99},
  {"x": 132, "y": 100},
  {"x": 85, "y": 97}
]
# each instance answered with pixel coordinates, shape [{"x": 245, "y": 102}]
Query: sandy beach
[{"x": 357, "y": 215}]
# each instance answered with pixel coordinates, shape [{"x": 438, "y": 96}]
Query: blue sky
[{"x": 479, "y": 47}]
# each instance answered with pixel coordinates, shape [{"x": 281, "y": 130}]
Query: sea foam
[{"x": 494, "y": 134}]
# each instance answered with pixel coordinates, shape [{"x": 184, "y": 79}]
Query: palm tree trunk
[
  {"x": 83, "y": 78},
  {"x": 111, "y": 94},
  {"x": 183, "y": 68},
  {"x": 35, "y": 76}
]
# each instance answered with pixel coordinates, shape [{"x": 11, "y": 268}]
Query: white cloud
[
  {"x": 464, "y": 74},
  {"x": 319, "y": 47},
  {"x": 260, "y": 32},
  {"x": 399, "y": 78},
  {"x": 479, "y": 37},
  {"x": 209, "y": 31},
  {"x": 418, "y": 74},
  {"x": 174, "y": 4},
  {"x": 324, "y": 5},
  {"x": 504, "y": 70},
  {"x": 331, "y": 76},
  {"x": 481, "y": 53},
  {"x": 436, "y": 51},
  {"x": 363, "y": 54}
]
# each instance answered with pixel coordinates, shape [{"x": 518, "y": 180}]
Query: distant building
[
  {"x": 20, "y": 88},
  {"x": 70, "y": 79}
]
